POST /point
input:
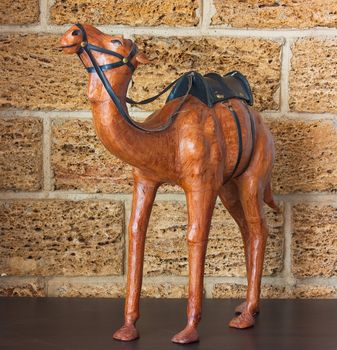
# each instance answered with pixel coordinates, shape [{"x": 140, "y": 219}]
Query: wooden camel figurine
[{"x": 209, "y": 149}]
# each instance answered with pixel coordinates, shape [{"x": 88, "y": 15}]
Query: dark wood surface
[{"x": 71, "y": 324}]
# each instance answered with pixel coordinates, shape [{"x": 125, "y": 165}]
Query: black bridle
[{"x": 99, "y": 70}]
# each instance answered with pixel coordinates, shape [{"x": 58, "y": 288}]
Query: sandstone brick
[
  {"x": 269, "y": 291},
  {"x": 258, "y": 59},
  {"x": 312, "y": 80},
  {"x": 37, "y": 75},
  {"x": 21, "y": 154},
  {"x": 314, "y": 249},
  {"x": 303, "y": 291},
  {"x": 164, "y": 290},
  {"x": 80, "y": 161},
  {"x": 127, "y": 12},
  {"x": 56, "y": 237},
  {"x": 19, "y": 12},
  {"x": 22, "y": 287},
  {"x": 86, "y": 289},
  {"x": 166, "y": 247},
  {"x": 238, "y": 291},
  {"x": 106, "y": 289},
  {"x": 275, "y": 14},
  {"x": 306, "y": 155},
  {"x": 170, "y": 188}
]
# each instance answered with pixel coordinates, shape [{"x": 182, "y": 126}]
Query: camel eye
[
  {"x": 76, "y": 32},
  {"x": 116, "y": 42}
]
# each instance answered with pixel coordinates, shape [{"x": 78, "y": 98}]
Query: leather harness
[
  {"x": 96, "y": 68},
  {"x": 179, "y": 90}
]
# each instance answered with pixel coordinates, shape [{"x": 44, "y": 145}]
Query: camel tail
[{"x": 269, "y": 199}]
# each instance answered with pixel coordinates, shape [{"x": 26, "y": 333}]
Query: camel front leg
[
  {"x": 200, "y": 207},
  {"x": 143, "y": 197}
]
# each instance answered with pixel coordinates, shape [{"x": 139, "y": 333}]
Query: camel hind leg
[
  {"x": 254, "y": 189},
  {"x": 269, "y": 199},
  {"x": 230, "y": 198},
  {"x": 251, "y": 198}
]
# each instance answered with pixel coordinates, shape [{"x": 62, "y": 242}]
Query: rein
[{"x": 99, "y": 70}]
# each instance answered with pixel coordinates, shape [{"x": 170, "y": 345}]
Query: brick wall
[{"x": 65, "y": 201}]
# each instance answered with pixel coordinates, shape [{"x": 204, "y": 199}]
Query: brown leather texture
[{"x": 198, "y": 152}]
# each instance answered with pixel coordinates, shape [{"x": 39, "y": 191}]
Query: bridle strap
[
  {"x": 105, "y": 67},
  {"x": 123, "y": 60},
  {"x": 96, "y": 68},
  {"x": 83, "y": 32}
]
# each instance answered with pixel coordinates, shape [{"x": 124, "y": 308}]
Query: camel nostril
[{"x": 76, "y": 32}]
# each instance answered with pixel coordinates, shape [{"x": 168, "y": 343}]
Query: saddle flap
[
  {"x": 213, "y": 88},
  {"x": 232, "y": 85},
  {"x": 199, "y": 89}
]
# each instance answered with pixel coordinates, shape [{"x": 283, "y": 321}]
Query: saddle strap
[{"x": 151, "y": 99}]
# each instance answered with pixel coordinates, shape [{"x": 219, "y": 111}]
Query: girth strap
[
  {"x": 238, "y": 127},
  {"x": 252, "y": 126},
  {"x": 240, "y": 145}
]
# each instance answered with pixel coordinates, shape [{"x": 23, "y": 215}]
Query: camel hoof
[
  {"x": 126, "y": 333},
  {"x": 244, "y": 320},
  {"x": 241, "y": 308},
  {"x": 186, "y": 336}
]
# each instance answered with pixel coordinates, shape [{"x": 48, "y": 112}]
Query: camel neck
[{"x": 120, "y": 138}]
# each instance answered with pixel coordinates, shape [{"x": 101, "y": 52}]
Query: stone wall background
[{"x": 65, "y": 202}]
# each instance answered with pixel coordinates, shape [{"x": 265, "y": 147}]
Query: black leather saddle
[{"x": 213, "y": 88}]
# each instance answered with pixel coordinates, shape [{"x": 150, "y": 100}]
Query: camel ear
[{"x": 141, "y": 58}]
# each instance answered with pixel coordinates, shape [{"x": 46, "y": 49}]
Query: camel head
[
  {"x": 116, "y": 56},
  {"x": 72, "y": 41}
]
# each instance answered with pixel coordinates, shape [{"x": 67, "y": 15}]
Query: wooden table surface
[{"x": 69, "y": 323}]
